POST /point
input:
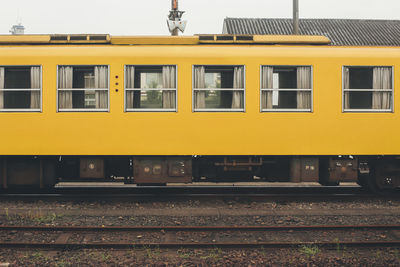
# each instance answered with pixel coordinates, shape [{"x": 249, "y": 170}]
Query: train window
[
  {"x": 286, "y": 88},
  {"x": 20, "y": 88},
  {"x": 83, "y": 88},
  {"x": 367, "y": 89},
  {"x": 150, "y": 88},
  {"x": 218, "y": 88}
]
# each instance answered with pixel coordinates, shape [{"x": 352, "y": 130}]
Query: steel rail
[
  {"x": 194, "y": 195},
  {"x": 125, "y": 245},
  {"x": 199, "y": 228},
  {"x": 174, "y": 196},
  {"x": 194, "y": 191},
  {"x": 63, "y": 244}
]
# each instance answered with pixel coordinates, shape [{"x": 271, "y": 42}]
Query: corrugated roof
[{"x": 345, "y": 32}]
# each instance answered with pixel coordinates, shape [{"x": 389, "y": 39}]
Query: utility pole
[
  {"x": 296, "y": 17},
  {"x": 174, "y": 19}
]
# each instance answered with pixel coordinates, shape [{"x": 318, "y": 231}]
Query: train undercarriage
[{"x": 377, "y": 173}]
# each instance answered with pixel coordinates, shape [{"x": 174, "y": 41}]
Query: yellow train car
[{"x": 208, "y": 107}]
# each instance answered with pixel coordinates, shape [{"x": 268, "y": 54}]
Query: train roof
[
  {"x": 98, "y": 39},
  {"x": 341, "y": 32},
  {"x": 257, "y": 31}
]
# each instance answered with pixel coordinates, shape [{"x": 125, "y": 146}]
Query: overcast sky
[{"x": 148, "y": 17}]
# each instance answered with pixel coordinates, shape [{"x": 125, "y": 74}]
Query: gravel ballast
[{"x": 201, "y": 211}]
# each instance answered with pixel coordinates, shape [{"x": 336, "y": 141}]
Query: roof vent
[
  {"x": 206, "y": 37},
  {"x": 98, "y": 37},
  {"x": 78, "y": 37},
  {"x": 58, "y": 38},
  {"x": 225, "y": 38},
  {"x": 244, "y": 38}
]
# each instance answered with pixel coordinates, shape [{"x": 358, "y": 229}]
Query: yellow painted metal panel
[
  {"x": 292, "y": 39},
  {"x": 166, "y": 40},
  {"x": 324, "y": 131},
  {"x": 154, "y": 40},
  {"x": 23, "y": 39}
]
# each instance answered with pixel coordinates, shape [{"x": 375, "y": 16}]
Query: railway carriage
[{"x": 157, "y": 110}]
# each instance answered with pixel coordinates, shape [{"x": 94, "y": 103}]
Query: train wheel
[{"x": 382, "y": 182}]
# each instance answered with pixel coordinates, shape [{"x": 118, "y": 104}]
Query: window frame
[
  {"x": 264, "y": 110},
  {"x": 368, "y": 90},
  {"x": 58, "y": 110},
  {"x": 128, "y": 110},
  {"x": 220, "y": 89},
  {"x": 28, "y": 110}
]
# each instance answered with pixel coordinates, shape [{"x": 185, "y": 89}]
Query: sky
[{"x": 148, "y": 17}]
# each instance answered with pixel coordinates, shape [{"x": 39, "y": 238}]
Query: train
[{"x": 154, "y": 110}]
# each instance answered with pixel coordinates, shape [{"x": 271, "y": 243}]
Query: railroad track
[
  {"x": 191, "y": 189},
  {"x": 195, "y": 191},
  {"x": 76, "y": 237}
]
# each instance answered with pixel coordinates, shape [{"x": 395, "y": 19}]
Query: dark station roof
[{"x": 342, "y": 32}]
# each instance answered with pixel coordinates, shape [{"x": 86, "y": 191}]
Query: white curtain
[
  {"x": 35, "y": 84},
  {"x": 101, "y": 81},
  {"x": 382, "y": 79},
  {"x": 303, "y": 82},
  {"x": 65, "y": 76},
  {"x": 200, "y": 82},
  {"x": 1, "y": 87},
  {"x": 169, "y": 81},
  {"x": 238, "y": 83},
  {"x": 267, "y": 83},
  {"x": 130, "y": 83},
  {"x": 346, "y": 85}
]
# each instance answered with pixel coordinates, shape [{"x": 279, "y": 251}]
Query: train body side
[{"x": 324, "y": 131}]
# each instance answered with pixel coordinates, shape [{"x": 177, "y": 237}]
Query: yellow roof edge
[
  {"x": 291, "y": 39},
  {"x": 150, "y": 40},
  {"x": 197, "y": 39},
  {"x": 163, "y": 40},
  {"x": 24, "y": 39}
]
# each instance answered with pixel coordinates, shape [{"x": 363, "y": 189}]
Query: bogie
[
  {"x": 385, "y": 176},
  {"x": 380, "y": 175}
]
